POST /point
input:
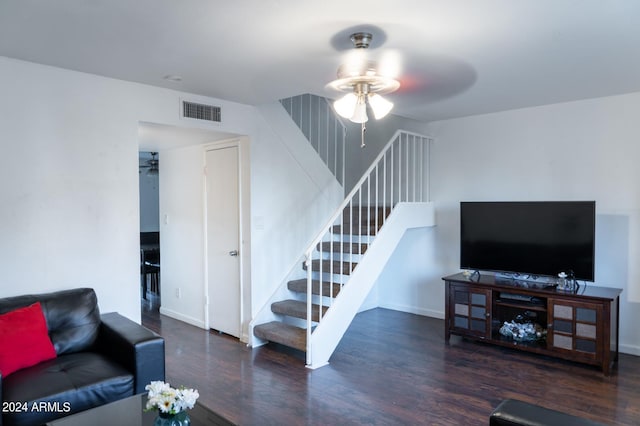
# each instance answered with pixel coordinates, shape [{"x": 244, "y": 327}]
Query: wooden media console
[{"x": 580, "y": 326}]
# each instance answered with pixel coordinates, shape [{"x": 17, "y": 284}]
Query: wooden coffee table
[{"x": 130, "y": 412}]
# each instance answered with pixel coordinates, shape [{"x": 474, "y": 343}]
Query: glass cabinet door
[
  {"x": 470, "y": 311},
  {"x": 573, "y": 326}
]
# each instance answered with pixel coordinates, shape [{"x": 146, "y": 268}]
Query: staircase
[
  {"x": 339, "y": 259},
  {"x": 343, "y": 261}
]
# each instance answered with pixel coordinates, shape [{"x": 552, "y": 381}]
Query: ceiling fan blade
[{"x": 390, "y": 63}]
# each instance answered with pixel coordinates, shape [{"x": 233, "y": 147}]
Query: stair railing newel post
[
  {"x": 413, "y": 157},
  {"x": 406, "y": 168},
  {"x": 320, "y": 275},
  {"x": 400, "y": 168},
  {"x": 377, "y": 200},
  {"x": 369, "y": 206},
  {"x": 342, "y": 219},
  {"x": 344, "y": 166},
  {"x": 350, "y": 228},
  {"x": 308, "y": 264},
  {"x": 359, "y": 213},
  {"x": 391, "y": 175}
]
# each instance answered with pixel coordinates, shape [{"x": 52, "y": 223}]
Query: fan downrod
[{"x": 361, "y": 40}]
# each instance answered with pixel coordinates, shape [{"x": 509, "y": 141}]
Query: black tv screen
[{"x": 538, "y": 238}]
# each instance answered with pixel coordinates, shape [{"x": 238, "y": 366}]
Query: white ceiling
[{"x": 458, "y": 57}]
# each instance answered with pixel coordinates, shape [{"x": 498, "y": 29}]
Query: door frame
[{"x": 244, "y": 231}]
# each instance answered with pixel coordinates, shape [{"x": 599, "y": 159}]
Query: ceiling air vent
[{"x": 201, "y": 111}]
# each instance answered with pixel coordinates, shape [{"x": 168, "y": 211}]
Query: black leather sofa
[{"x": 99, "y": 359}]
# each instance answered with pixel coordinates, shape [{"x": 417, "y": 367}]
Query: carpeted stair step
[
  {"x": 356, "y": 230},
  {"x": 297, "y": 309},
  {"x": 356, "y": 214},
  {"x": 342, "y": 247},
  {"x": 300, "y": 286},
  {"x": 337, "y": 267},
  {"x": 285, "y": 334}
]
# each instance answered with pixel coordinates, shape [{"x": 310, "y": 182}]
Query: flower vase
[{"x": 179, "y": 419}]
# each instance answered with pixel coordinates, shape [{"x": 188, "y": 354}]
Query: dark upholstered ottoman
[{"x": 512, "y": 412}]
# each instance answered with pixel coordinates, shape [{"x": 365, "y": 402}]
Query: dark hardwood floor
[{"x": 391, "y": 368}]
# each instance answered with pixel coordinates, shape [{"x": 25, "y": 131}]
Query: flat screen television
[{"x": 536, "y": 238}]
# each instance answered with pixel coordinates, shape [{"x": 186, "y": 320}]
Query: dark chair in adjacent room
[{"x": 150, "y": 262}]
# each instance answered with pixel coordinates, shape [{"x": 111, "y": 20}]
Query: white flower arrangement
[{"x": 162, "y": 397}]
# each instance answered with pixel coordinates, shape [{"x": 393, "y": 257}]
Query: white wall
[
  {"x": 586, "y": 150},
  {"x": 69, "y": 183},
  {"x": 293, "y": 195},
  {"x": 403, "y": 285},
  {"x": 69, "y": 207},
  {"x": 182, "y": 235}
]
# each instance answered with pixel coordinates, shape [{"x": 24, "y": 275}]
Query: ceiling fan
[
  {"x": 375, "y": 72},
  {"x": 151, "y": 165},
  {"x": 364, "y": 81}
]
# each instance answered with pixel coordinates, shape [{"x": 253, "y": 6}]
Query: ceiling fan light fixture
[
  {"x": 363, "y": 83},
  {"x": 379, "y": 105},
  {"x": 346, "y": 105},
  {"x": 360, "y": 111}
]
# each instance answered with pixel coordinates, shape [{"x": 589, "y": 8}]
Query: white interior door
[{"x": 223, "y": 242}]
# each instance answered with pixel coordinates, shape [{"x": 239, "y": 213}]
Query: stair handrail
[{"x": 357, "y": 188}]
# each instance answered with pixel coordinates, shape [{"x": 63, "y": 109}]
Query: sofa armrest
[{"x": 137, "y": 348}]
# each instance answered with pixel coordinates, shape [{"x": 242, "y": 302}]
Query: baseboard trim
[
  {"x": 315, "y": 367},
  {"x": 181, "y": 317},
  {"x": 414, "y": 310},
  {"x": 630, "y": 349},
  {"x": 367, "y": 306}
]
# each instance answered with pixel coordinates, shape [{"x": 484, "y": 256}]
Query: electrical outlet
[{"x": 178, "y": 293}]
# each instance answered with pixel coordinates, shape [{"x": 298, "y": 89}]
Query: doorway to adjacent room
[{"x": 149, "y": 190}]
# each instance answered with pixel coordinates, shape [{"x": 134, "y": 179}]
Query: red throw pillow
[{"x": 24, "y": 339}]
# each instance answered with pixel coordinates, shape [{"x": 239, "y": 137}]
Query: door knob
[{"x": 233, "y": 253}]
